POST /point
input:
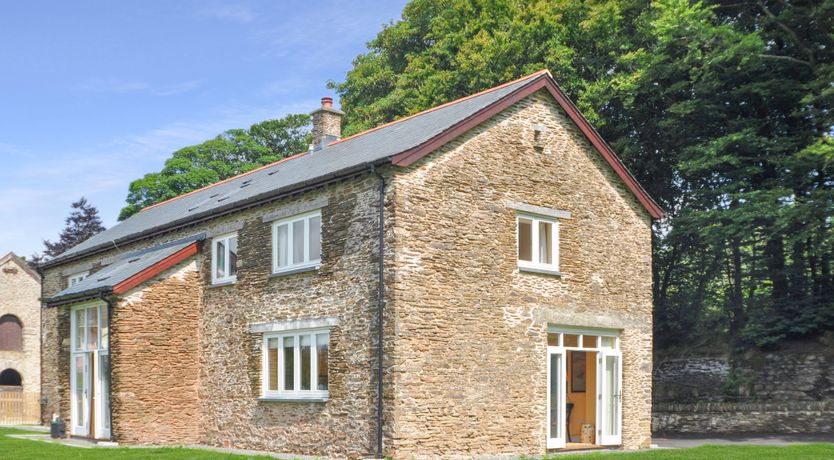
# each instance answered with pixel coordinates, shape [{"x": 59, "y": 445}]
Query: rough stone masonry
[{"x": 466, "y": 332}]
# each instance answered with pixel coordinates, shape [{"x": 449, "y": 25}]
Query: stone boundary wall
[
  {"x": 745, "y": 417},
  {"x": 790, "y": 390}
]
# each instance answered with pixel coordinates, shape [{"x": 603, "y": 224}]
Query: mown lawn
[{"x": 26, "y": 449}]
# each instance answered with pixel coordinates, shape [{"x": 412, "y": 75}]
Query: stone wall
[
  {"x": 790, "y": 390},
  {"x": 230, "y": 412},
  {"x": 344, "y": 287},
  {"x": 19, "y": 296},
  {"x": 800, "y": 417},
  {"x": 465, "y": 330},
  {"x": 470, "y": 349},
  {"x": 156, "y": 360}
]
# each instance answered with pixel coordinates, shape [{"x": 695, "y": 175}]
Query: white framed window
[
  {"x": 224, "y": 259},
  {"x": 296, "y": 242},
  {"x": 76, "y": 278},
  {"x": 296, "y": 364},
  {"x": 538, "y": 243}
]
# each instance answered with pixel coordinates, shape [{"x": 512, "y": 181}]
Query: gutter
[
  {"x": 93, "y": 294},
  {"x": 380, "y": 311},
  {"x": 231, "y": 208}
]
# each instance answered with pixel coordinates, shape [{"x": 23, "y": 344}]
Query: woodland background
[{"x": 722, "y": 110}]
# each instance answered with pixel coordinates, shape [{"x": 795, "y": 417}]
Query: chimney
[{"x": 327, "y": 124}]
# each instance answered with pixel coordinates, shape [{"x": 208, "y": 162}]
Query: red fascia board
[
  {"x": 542, "y": 82},
  {"x": 156, "y": 268}
]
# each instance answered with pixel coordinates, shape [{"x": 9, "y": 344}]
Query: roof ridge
[
  {"x": 437, "y": 107},
  {"x": 376, "y": 128}
]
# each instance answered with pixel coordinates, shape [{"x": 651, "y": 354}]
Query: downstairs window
[{"x": 295, "y": 365}]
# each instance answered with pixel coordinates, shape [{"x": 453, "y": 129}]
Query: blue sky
[{"x": 94, "y": 94}]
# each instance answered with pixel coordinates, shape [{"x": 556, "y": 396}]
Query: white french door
[
  {"x": 556, "y": 397},
  {"x": 89, "y": 368},
  {"x": 81, "y": 394},
  {"x": 609, "y": 396}
]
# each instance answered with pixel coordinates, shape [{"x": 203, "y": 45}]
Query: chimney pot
[{"x": 327, "y": 102}]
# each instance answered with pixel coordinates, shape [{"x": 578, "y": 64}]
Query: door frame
[
  {"x": 96, "y": 413},
  {"x": 602, "y": 388},
  {"x": 612, "y": 337},
  {"x": 556, "y": 442},
  {"x": 82, "y": 429}
]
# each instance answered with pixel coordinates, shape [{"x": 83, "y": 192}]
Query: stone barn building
[
  {"x": 472, "y": 280},
  {"x": 20, "y": 328}
]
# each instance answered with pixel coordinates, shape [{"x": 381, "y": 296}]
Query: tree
[
  {"x": 723, "y": 111},
  {"x": 231, "y": 153},
  {"x": 82, "y": 224}
]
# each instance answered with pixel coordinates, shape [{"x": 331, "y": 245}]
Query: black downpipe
[
  {"x": 380, "y": 311},
  {"x": 110, "y": 367}
]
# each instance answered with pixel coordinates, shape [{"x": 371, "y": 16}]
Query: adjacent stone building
[
  {"x": 20, "y": 326},
  {"x": 456, "y": 283}
]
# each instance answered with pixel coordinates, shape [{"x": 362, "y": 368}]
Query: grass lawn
[{"x": 25, "y": 449}]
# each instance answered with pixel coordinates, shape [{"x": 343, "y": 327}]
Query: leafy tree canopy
[
  {"x": 231, "y": 153},
  {"x": 723, "y": 110}
]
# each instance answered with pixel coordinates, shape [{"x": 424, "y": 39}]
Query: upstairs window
[
  {"x": 295, "y": 365},
  {"x": 296, "y": 243},
  {"x": 538, "y": 243},
  {"x": 77, "y": 278},
  {"x": 224, "y": 259},
  {"x": 11, "y": 333}
]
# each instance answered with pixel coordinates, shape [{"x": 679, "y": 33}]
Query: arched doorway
[{"x": 11, "y": 378}]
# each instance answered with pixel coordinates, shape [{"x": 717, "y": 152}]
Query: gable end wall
[{"x": 470, "y": 349}]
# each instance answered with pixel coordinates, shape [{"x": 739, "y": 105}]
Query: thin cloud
[
  {"x": 116, "y": 86},
  {"x": 236, "y": 13},
  {"x": 112, "y": 85},
  {"x": 177, "y": 88}
]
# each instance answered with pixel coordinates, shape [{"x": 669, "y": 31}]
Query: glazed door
[
  {"x": 81, "y": 391},
  {"x": 609, "y": 396},
  {"x": 555, "y": 397},
  {"x": 89, "y": 369}
]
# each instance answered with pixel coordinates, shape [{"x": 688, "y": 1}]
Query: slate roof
[
  {"x": 400, "y": 142},
  {"x": 357, "y": 152},
  {"x": 122, "y": 269}
]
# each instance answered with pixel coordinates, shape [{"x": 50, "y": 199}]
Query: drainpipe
[
  {"x": 110, "y": 367},
  {"x": 380, "y": 311}
]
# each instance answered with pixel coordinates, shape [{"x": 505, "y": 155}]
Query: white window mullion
[
  {"x": 280, "y": 364},
  {"x": 314, "y": 363},
  {"x": 297, "y": 363},
  {"x": 290, "y": 244},
  {"x": 274, "y": 248},
  {"x": 265, "y": 365},
  {"x": 86, "y": 329},
  {"x": 535, "y": 240},
  {"x": 226, "y": 253},
  {"x": 555, "y": 242},
  {"x": 306, "y": 240}
]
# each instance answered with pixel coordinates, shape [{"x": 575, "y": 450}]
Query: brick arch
[
  {"x": 11, "y": 377},
  {"x": 11, "y": 333}
]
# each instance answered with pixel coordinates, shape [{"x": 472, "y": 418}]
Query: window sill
[
  {"x": 293, "y": 399},
  {"x": 223, "y": 283},
  {"x": 540, "y": 270},
  {"x": 294, "y": 270}
]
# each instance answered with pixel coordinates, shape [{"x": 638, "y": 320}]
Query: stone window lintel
[
  {"x": 540, "y": 210},
  {"x": 292, "y": 325}
]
